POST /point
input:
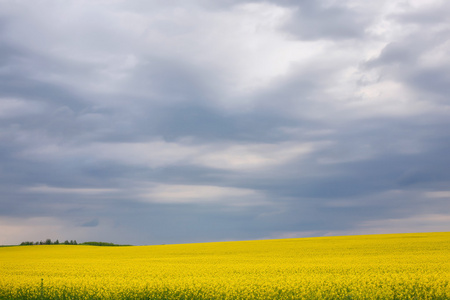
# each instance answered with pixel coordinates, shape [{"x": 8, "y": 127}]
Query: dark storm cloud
[
  {"x": 146, "y": 123},
  {"x": 93, "y": 223},
  {"x": 433, "y": 13},
  {"x": 404, "y": 59},
  {"x": 315, "y": 20},
  {"x": 434, "y": 80},
  {"x": 419, "y": 58}
]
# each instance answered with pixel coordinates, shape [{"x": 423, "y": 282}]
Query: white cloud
[
  {"x": 14, "y": 230},
  {"x": 59, "y": 190},
  {"x": 414, "y": 223},
  {"x": 14, "y": 107},
  {"x": 294, "y": 234},
  {"x": 202, "y": 194},
  {"x": 159, "y": 153},
  {"x": 254, "y": 156},
  {"x": 388, "y": 98},
  {"x": 438, "y": 194}
]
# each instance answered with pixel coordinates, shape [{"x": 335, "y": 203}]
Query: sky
[{"x": 153, "y": 122}]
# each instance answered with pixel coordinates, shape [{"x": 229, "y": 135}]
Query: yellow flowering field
[{"x": 394, "y": 266}]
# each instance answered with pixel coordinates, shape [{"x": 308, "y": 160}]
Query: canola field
[{"x": 398, "y": 266}]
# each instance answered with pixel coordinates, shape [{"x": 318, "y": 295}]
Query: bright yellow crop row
[{"x": 403, "y": 266}]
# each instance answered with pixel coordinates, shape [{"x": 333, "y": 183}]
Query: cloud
[
  {"x": 438, "y": 194},
  {"x": 59, "y": 190},
  {"x": 17, "y": 230},
  {"x": 13, "y": 108},
  {"x": 254, "y": 156},
  {"x": 92, "y": 223},
  {"x": 421, "y": 223},
  {"x": 170, "y": 194},
  {"x": 313, "y": 20},
  {"x": 203, "y": 121}
]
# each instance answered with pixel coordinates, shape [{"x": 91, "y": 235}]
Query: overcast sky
[{"x": 151, "y": 122}]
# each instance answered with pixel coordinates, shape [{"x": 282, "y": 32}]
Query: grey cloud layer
[{"x": 144, "y": 123}]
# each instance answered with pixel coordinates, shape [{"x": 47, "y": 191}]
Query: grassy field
[{"x": 400, "y": 266}]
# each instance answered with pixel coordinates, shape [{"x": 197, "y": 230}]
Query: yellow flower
[{"x": 406, "y": 266}]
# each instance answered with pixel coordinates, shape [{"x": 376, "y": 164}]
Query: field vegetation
[
  {"x": 67, "y": 242},
  {"x": 400, "y": 266}
]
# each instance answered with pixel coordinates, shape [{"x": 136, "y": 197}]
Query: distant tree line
[
  {"x": 49, "y": 242},
  {"x": 101, "y": 244},
  {"x": 67, "y": 242}
]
